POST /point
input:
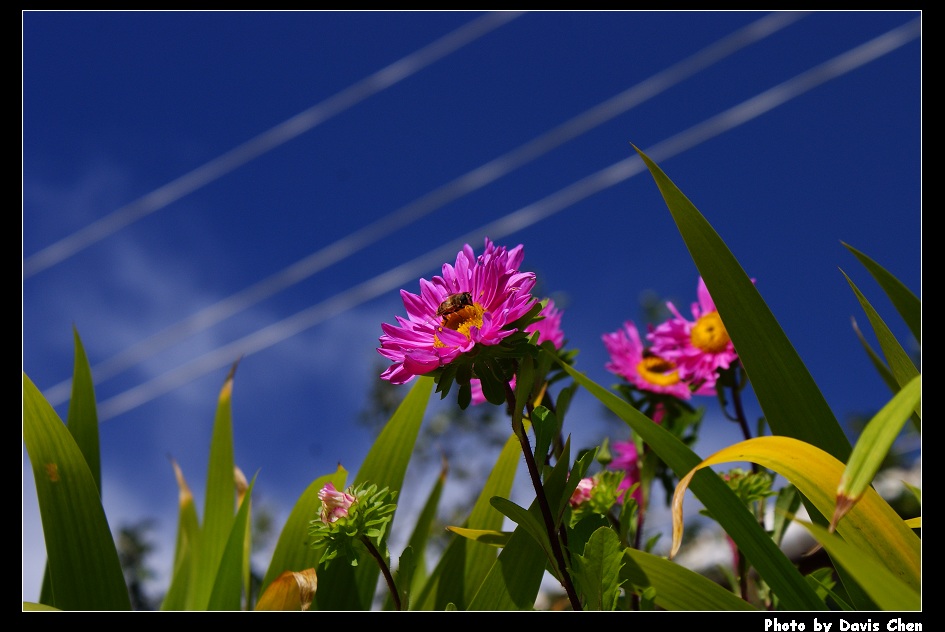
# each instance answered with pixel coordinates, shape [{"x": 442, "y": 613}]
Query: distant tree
[{"x": 134, "y": 546}]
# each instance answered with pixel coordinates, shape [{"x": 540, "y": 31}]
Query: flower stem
[
  {"x": 533, "y": 472},
  {"x": 384, "y": 569}
]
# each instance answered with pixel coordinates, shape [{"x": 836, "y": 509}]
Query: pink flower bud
[{"x": 335, "y": 504}]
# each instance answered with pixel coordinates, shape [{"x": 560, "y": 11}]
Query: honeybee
[{"x": 453, "y": 303}]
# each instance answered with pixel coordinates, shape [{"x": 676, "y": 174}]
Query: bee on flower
[{"x": 475, "y": 301}]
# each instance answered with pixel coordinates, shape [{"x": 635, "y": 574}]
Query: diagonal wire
[
  {"x": 415, "y": 210},
  {"x": 517, "y": 220},
  {"x": 243, "y": 153}
]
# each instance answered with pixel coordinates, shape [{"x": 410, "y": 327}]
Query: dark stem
[
  {"x": 533, "y": 472},
  {"x": 740, "y": 414},
  {"x": 384, "y": 569},
  {"x": 739, "y": 409}
]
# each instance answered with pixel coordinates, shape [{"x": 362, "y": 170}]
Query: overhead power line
[
  {"x": 517, "y": 220},
  {"x": 475, "y": 179},
  {"x": 285, "y": 131}
]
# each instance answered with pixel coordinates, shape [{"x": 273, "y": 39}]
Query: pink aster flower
[
  {"x": 548, "y": 328},
  {"x": 582, "y": 493},
  {"x": 472, "y": 303},
  {"x": 627, "y": 460},
  {"x": 335, "y": 504},
  {"x": 700, "y": 347},
  {"x": 645, "y": 370}
]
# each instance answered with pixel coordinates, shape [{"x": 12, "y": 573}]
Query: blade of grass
[
  {"x": 906, "y": 303},
  {"x": 220, "y": 501},
  {"x": 83, "y": 563},
  {"x": 900, "y": 364}
]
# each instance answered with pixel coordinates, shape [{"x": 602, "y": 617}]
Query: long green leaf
[
  {"x": 228, "y": 584},
  {"x": 878, "y": 362},
  {"x": 385, "y": 466},
  {"x": 906, "y": 303},
  {"x": 790, "y": 399},
  {"x": 871, "y": 524},
  {"x": 82, "y": 560},
  {"x": 465, "y": 564},
  {"x": 887, "y": 590},
  {"x": 677, "y": 587},
  {"x": 528, "y": 521},
  {"x": 514, "y": 580},
  {"x": 220, "y": 501},
  {"x": 877, "y": 438},
  {"x": 293, "y": 550},
  {"x": 770, "y": 562},
  {"x": 188, "y": 533},
  {"x": 83, "y": 417},
  {"x": 82, "y": 422},
  {"x": 900, "y": 364},
  {"x": 422, "y": 528}
]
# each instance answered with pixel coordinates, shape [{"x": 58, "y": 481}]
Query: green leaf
[
  {"x": 531, "y": 523},
  {"x": 578, "y": 471},
  {"x": 785, "y": 506},
  {"x": 403, "y": 579},
  {"x": 514, "y": 580},
  {"x": 597, "y": 571},
  {"x": 228, "y": 585},
  {"x": 882, "y": 585},
  {"x": 790, "y": 399},
  {"x": 878, "y": 363},
  {"x": 545, "y": 424},
  {"x": 876, "y": 440},
  {"x": 293, "y": 550},
  {"x": 422, "y": 528},
  {"x": 464, "y": 564},
  {"x": 219, "y": 504},
  {"x": 188, "y": 534},
  {"x": 83, "y": 416},
  {"x": 900, "y": 364},
  {"x": 493, "y": 386},
  {"x": 675, "y": 587},
  {"x": 906, "y": 303},
  {"x": 871, "y": 525},
  {"x": 83, "y": 563},
  {"x": 491, "y": 537},
  {"x": 82, "y": 422},
  {"x": 339, "y": 586},
  {"x": 770, "y": 562}
]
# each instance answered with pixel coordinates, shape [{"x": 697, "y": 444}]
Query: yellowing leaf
[
  {"x": 873, "y": 445},
  {"x": 486, "y": 536},
  {"x": 871, "y": 526},
  {"x": 290, "y": 591}
]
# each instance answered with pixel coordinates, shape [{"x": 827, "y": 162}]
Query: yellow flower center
[
  {"x": 658, "y": 371},
  {"x": 461, "y": 320},
  {"x": 709, "y": 334}
]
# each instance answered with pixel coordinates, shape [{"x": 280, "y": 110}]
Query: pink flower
[
  {"x": 641, "y": 367},
  {"x": 582, "y": 493},
  {"x": 335, "y": 504},
  {"x": 627, "y": 460},
  {"x": 700, "y": 347},
  {"x": 549, "y": 328},
  {"x": 472, "y": 303}
]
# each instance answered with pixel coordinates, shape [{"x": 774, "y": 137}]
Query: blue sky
[{"x": 200, "y": 187}]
